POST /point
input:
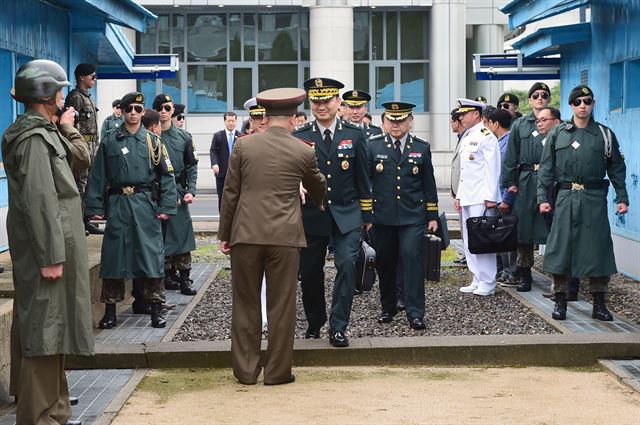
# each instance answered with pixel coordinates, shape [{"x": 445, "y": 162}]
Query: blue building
[
  {"x": 604, "y": 53},
  {"x": 68, "y": 32}
]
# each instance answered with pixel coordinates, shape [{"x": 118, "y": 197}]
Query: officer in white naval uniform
[{"x": 478, "y": 189}]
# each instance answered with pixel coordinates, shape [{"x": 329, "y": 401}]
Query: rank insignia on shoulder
[{"x": 485, "y": 131}]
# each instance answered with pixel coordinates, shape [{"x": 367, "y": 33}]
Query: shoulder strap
[{"x": 607, "y": 141}]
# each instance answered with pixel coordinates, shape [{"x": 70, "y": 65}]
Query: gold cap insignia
[
  {"x": 354, "y": 93},
  {"x": 318, "y": 82},
  {"x": 139, "y": 98},
  {"x": 506, "y": 98},
  {"x": 585, "y": 90},
  {"x": 544, "y": 86},
  {"x": 167, "y": 98},
  {"x": 395, "y": 106}
]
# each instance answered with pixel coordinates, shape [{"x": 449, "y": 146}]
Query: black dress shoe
[
  {"x": 310, "y": 334},
  {"x": 73, "y": 400},
  {"x": 386, "y": 317},
  {"x": 290, "y": 379},
  {"x": 338, "y": 339},
  {"x": 461, "y": 261},
  {"x": 417, "y": 324},
  {"x": 400, "y": 305},
  {"x": 93, "y": 229}
]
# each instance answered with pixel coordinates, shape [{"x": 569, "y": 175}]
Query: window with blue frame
[
  {"x": 633, "y": 83},
  {"x": 616, "y": 86}
]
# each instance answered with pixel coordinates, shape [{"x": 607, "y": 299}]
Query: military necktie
[
  {"x": 397, "y": 150},
  {"x": 327, "y": 139}
]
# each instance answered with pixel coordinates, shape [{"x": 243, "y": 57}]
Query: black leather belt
[
  {"x": 603, "y": 185},
  {"x": 529, "y": 167},
  {"x": 129, "y": 190}
]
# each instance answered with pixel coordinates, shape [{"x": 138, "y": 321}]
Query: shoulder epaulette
[
  {"x": 417, "y": 139},
  {"x": 568, "y": 126},
  {"x": 303, "y": 127},
  {"x": 376, "y": 137},
  {"x": 485, "y": 131},
  {"x": 349, "y": 124}
]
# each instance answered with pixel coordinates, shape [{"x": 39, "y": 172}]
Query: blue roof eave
[
  {"x": 523, "y": 12},
  {"x": 120, "y": 12},
  {"x": 546, "y": 41}
]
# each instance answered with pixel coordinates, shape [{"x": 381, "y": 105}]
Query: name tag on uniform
[
  {"x": 382, "y": 156},
  {"x": 575, "y": 145},
  {"x": 125, "y": 150},
  {"x": 535, "y": 133}
]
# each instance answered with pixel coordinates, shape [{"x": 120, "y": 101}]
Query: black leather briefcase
[
  {"x": 443, "y": 231},
  {"x": 431, "y": 256},
  {"x": 365, "y": 265},
  {"x": 488, "y": 234}
]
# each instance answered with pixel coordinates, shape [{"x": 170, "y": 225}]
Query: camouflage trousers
[
  {"x": 113, "y": 290},
  {"x": 596, "y": 283},
  {"x": 82, "y": 176},
  {"x": 525, "y": 256},
  {"x": 178, "y": 262}
]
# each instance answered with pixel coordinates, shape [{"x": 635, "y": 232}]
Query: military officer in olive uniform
[
  {"x": 341, "y": 152},
  {"x": 520, "y": 176},
  {"x": 114, "y": 120},
  {"x": 357, "y": 101},
  {"x": 405, "y": 199},
  {"x": 179, "y": 239},
  {"x": 52, "y": 305},
  {"x": 87, "y": 124},
  {"x": 579, "y": 155},
  {"x": 133, "y": 186}
]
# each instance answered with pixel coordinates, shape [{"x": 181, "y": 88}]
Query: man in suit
[
  {"x": 220, "y": 151},
  {"x": 341, "y": 152},
  {"x": 267, "y": 238}
]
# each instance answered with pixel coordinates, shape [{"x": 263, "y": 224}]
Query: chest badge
[
  {"x": 379, "y": 167},
  {"x": 345, "y": 165},
  {"x": 575, "y": 145},
  {"x": 472, "y": 157},
  {"x": 415, "y": 169}
]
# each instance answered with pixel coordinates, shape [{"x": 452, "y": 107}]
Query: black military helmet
[{"x": 39, "y": 80}]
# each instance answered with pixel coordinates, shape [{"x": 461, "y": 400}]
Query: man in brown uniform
[{"x": 266, "y": 236}]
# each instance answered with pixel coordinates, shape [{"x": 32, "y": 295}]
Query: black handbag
[
  {"x": 489, "y": 234},
  {"x": 365, "y": 264}
]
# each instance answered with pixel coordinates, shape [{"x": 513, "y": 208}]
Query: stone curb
[
  {"x": 620, "y": 374},
  {"x": 490, "y": 350}
]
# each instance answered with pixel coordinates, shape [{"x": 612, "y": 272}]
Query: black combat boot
[
  {"x": 560, "y": 312},
  {"x": 186, "y": 282},
  {"x": 171, "y": 280},
  {"x": 108, "y": 321},
  {"x": 525, "y": 280},
  {"x": 600, "y": 311},
  {"x": 157, "y": 319}
]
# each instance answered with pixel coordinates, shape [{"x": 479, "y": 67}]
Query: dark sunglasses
[
  {"x": 180, "y": 117},
  {"x": 543, "y": 95},
  {"x": 165, "y": 107},
  {"x": 130, "y": 108},
  {"x": 577, "y": 102},
  {"x": 503, "y": 106}
]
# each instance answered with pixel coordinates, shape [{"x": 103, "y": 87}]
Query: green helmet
[{"x": 39, "y": 80}]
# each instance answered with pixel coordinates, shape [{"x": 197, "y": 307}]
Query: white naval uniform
[{"x": 480, "y": 165}]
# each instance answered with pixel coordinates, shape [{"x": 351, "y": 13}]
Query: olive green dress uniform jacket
[
  {"x": 404, "y": 191},
  {"x": 525, "y": 149},
  {"x": 261, "y": 199},
  {"x": 348, "y": 198},
  {"x": 580, "y": 242},
  {"x": 44, "y": 226},
  {"x": 132, "y": 246},
  {"x": 110, "y": 123},
  {"x": 179, "y": 237}
]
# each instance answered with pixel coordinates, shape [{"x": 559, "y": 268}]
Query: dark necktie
[
  {"x": 397, "y": 150},
  {"x": 327, "y": 139}
]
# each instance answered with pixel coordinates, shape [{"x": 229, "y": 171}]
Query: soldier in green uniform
[
  {"x": 341, "y": 153},
  {"x": 405, "y": 199},
  {"x": 578, "y": 156},
  {"x": 52, "y": 305},
  {"x": 133, "y": 186},
  {"x": 357, "y": 101},
  {"x": 510, "y": 103},
  {"x": 179, "y": 239},
  {"x": 520, "y": 167},
  {"x": 114, "y": 120},
  {"x": 87, "y": 124}
]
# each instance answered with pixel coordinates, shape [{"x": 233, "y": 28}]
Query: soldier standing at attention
[
  {"x": 341, "y": 152},
  {"x": 579, "y": 155},
  {"x": 80, "y": 99},
  {"x": 405, "y": 199},
  {"x": 357, "y": 101},
  {"x": 520, "y": 167},
  {"x": 510, "y": 103},
  {"x": 114, "y": 120},
  {"x": 52, "y": 305},
  {"x": 178, "y": 115},
  {"x": 133, "y": 186},
  {"x": 179, "y": 239}
]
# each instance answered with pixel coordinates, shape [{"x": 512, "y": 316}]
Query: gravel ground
[
  {"x": 624, "y": 293},
  {"x": 449, "y": 312}
]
